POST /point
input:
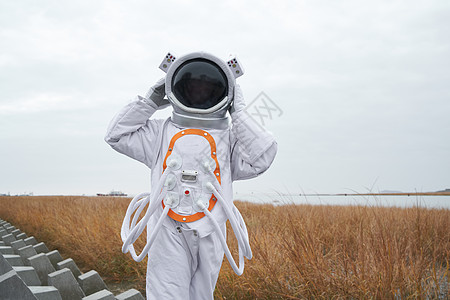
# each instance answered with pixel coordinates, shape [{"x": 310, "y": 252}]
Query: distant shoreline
[{"x": 384, "y": 194}]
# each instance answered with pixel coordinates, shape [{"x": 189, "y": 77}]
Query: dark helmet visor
[{"x": 199, "y": 83}]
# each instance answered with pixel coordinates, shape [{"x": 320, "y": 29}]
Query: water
[{"x": 426, "y": 201}]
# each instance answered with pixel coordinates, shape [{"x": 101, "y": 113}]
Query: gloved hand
[
  {"x": 156, "y": 94},
  {"x": 238, "y": 101}
]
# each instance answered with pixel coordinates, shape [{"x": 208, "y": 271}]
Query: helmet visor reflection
[{"x": 199, "y": 83}]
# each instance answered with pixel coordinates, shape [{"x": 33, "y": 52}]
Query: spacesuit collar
[{"x": 193, "y": 122}]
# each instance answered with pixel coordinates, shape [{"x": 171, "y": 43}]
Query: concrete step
[
  {"x": 6, "y": 250},
  {"x": 101, "y": 295},
  {"x": 70, "y": 264},
  {"x": 54, "y": 258},
  {"x": 8, "y": 239},
  {"x": 131, "y": 294},
  {"x": 5, "y": 267},
  {"x": 30, "y": 241},
  {"x": 17, "y": 244},
  {"x": 41, "y": 248},
  {"x": 66, "y": 284},
  {"x": 14, "y": 260},
  {"x": 45, "y": 292},
  {"x": 25, "y": 253},
  {"x": 42, "y": 265},
  {"x": 12, "y": 287},
  {"x": 28, "y": 275},
  {"x": 91, "y": 282}
]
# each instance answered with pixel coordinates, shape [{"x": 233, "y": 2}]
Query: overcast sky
[{"x": 364, "y": 88}]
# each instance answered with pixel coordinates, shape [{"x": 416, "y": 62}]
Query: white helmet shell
[{"x": 199, "y": 111}]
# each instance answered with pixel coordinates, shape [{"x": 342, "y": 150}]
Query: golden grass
[{"x": 300, "y": 251}]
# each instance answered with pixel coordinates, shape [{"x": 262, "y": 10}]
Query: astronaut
[{"x": 194, "y": 157}]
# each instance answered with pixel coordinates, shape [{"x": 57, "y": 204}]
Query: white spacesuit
[{"x": 194, "y": 157}]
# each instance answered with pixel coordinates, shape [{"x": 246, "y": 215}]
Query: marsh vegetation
[{"x": 300, "y": 251}]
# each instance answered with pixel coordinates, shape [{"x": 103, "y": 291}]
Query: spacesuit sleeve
[
  {"x": 133, "y": 134},
  {"x": 253, "y": 148}
]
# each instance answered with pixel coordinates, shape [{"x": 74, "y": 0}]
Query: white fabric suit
[{"x": 185, "y": 258}]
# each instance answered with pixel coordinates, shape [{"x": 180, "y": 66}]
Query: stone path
[{"x": 28, "y": 270}]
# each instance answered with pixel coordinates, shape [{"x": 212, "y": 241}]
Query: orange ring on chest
[{"x": 213, "y": 199}]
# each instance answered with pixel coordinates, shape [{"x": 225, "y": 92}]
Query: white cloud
[{"x": 43, "y": 103}]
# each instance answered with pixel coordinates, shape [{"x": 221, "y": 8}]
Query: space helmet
[{"x": 200, "y": 88}]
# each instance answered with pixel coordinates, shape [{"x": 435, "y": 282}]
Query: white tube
[
  {"x": 131, "y": 232},
  {"x": 239, "y": 229},
  {"x": 129, "y": 237},
  {"x": 151, "y": 208},
  {"x": 245, "y": 232},
  {"x": 237, "y": 269},
  {"x": 131, "y": 207},
  {"x": 140, "y": 205},
  {"x": 151, "y": 239}
]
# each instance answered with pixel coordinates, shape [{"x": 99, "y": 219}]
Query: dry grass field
[{"x": 300, "y": 251}]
